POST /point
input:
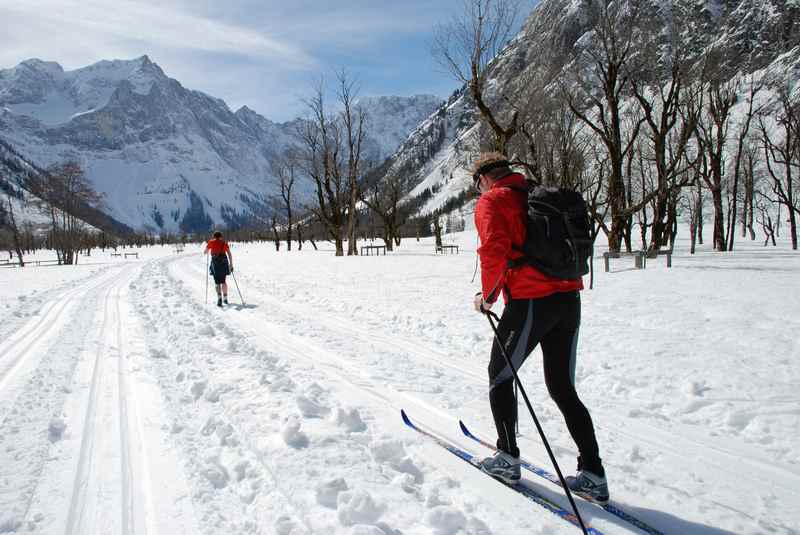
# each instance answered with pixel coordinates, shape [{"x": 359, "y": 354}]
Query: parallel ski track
[
  {"x": 674, "y": 446},
  {"x": 110, "y": 332},
  {"x": 669, "y": 443},
  {"x": 19, "y": 344},
  {"x": 424, "y": 353},
  {"x": 340, "y": 369}
]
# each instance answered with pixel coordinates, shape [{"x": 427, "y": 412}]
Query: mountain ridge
[{"x": 167, "y": 158}]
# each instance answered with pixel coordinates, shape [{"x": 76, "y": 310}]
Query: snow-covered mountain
[
  {"x": 164, "y": 156},
  {"x": 748, "y": 36},
  {"x": 18, "y": 198}
]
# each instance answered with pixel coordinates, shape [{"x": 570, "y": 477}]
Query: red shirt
[
  {"x": 500, "y": 217},
  {"x": 216, "y": 246}
]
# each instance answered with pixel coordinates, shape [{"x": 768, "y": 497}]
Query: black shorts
[{"x": 219, "y": 268}]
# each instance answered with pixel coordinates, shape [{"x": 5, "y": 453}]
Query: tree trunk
[
  {"x": 719, "y": 221},
  {"x": 15, "y": 232},
  {"x": 700, "y": 214},
  {"x": 659, "y": 230}
]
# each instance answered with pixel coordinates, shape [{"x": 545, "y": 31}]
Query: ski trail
[
  {"x": 221, "y": 418},
  {"x": 19, "y": 351},
  {"x": 424, "y": 355},
  {"x": 84, "y": 513},
  {"x": 361, "y": 385},
  {"x": 93, "y": 472},
  {"x": 293, "y": 317},
  {"x": 671, "y": 443}
]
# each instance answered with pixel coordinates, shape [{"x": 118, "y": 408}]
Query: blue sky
[{"x": 261, "y": 53}]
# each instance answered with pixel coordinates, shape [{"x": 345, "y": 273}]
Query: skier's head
[
  {"x": 491, "y": 165},
  {"x": 218, "y": 235}
]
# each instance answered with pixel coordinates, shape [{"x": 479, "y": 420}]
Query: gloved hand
[
  {"x": 480, "y": 305},
  {"x": 230, "y": 269}
]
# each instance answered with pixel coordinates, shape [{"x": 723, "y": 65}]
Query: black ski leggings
[{"x": 553, "y": 321}]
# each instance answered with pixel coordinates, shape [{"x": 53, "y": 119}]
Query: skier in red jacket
[
  {"x": 221, "y": 265},
  {"x": 539, "y": 310}
]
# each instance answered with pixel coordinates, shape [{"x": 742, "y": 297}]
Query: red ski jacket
[
  {"x": 215, "y": 246},
  {"x": 500, "y": 217}
]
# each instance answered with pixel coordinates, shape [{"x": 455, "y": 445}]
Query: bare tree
[
  {"x": 670, "y": 110},
  {"x": 750, "y": 173},
  {"x": 321, "y": 160},
  {"x": 15, "y": 235},
  {"x": 384, "y": 200},
  {"x": 353, "y": 120},
  {"x": 712, "y": 134},
  {"x": 765, "y": 220},
  {"x": 600, "y": 99},
  {"x": 740, "y": 159},
  {"x": 466, "y": 46},
  {"x": 275, "y": 234},
  {"x": 66, "y": 193},
  {"x": 782, "y": 156},
  {"x": 284, "y": 166}
]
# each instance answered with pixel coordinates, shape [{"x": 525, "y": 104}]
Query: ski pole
[
  {"x": 207, "y": 266},
  {"x": 501, "y": 343},
  {"x": 237, "y": 288}
]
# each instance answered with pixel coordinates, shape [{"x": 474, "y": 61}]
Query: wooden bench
[
  {"x": 639, "y": 261},
  {"x": 178, "y": 249},
  {"x": 660, "y": 252},
  {"x": 51, "y": 261},
  {"x": 370, "y": 248},
  {"x": 135, "y": 253},
  {"x": 116, "y": 254},
  {"x": 639, "y": 258},
  {"x": 444, "y": 249}
]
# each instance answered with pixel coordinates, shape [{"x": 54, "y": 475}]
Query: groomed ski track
[{"x": 128, "y": 406}]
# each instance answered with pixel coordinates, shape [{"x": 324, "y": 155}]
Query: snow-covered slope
[
  {"x": 749, "y": 36},
  {"x": 164, "y": 156}
]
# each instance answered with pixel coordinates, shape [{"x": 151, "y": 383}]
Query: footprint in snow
[
  {"x": 327, "y": 493},
  {"x": 292, "y": 434},
  {"x": 310, "y": 408},
  {"x": 281, "y": 384},
  {"x": 158, "y": 354},
  {"x": 56, "y": 428},
  {"x": 286, "y": 525},
  {"x": 349, "y": 419},
  {"x": 215, "y": 473},
  {"x": 446, "y": 520},
  {"x": 357, "y": 507},
  {"x": 198, "y": 388},
  {"x": 392, "y": 452},
  {"x": 206, "y": 331}
]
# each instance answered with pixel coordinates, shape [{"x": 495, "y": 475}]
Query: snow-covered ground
[{"x": 128, "y": 405}]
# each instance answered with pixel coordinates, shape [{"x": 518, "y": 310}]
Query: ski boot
[
  {"x": 225, "y": 299},
  {"x": 590, "y": 486},
  {"x": 502, "y": 466},
  {"x": 219, "y": 302}
]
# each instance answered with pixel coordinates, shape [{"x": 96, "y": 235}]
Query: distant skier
[
  {"x": 221, "y": 265},
  {"x": 539, "y": 309}
]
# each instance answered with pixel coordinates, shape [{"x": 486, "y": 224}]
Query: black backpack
[{"x": 558, "y": 241}]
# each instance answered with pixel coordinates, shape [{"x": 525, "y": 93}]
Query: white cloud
[{"x": 121, "y": 24}]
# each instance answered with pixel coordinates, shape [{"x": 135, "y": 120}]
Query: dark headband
[{"x": 485, "y": 168}]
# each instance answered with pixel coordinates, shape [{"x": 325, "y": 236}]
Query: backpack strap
[{"x": 521, "y": 261}]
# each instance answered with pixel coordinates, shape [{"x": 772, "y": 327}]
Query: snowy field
[{"x": 128, "y": 405}]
